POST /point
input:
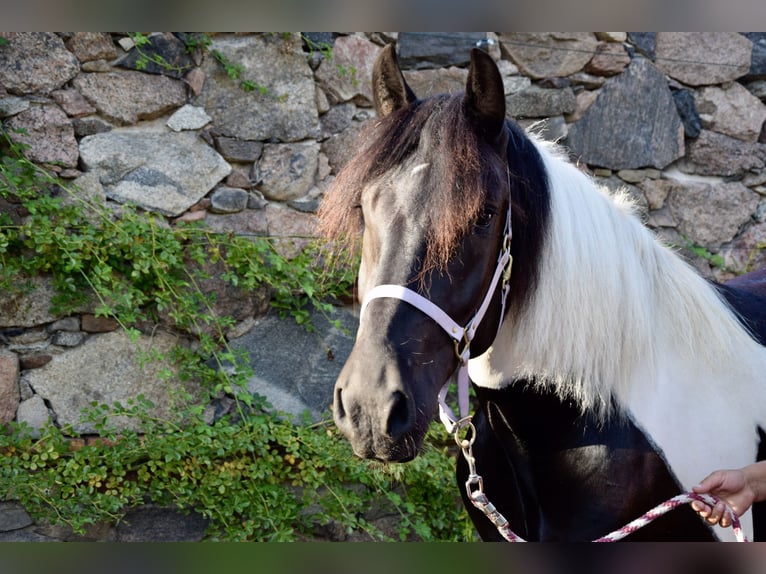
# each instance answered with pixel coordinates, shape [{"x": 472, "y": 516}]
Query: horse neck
[{"x": 611, "y": 303}]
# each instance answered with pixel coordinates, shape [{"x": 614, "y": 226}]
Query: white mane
[
  {"x": 611, "y": 301},
  {"x": 616, "y": 317}
]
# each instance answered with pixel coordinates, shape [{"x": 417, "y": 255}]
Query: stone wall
[{"x": 677, "y": 118}]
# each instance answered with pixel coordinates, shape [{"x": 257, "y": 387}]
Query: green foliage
[
  {"x": 253, "y": 474},
  {"x": 259, "y": 479},
  {"x": 142, "y": 45},
  {"x": 138, "y": 266}
]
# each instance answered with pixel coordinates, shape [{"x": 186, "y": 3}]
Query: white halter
[{"x": 453, "y": 329}]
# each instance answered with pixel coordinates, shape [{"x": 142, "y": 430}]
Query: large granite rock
[
  {"x": 549, "y": 54},
  {"x": 703, "y": 58},
  {"x": 163, "y": 172},
  {"x": 647, "y": 132},
  {"x": 48, "y": 133},
  {"x": 299, "y": 376},
  {"x": 35, "y": 62},
  {"x": 127, "y": 97},
  {"x": 285, "y": 112},
  {"x": 108, "y": 368}
]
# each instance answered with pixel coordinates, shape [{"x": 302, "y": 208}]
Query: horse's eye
[{"x": 484, "y": 221}]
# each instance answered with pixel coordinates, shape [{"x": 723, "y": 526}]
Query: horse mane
[
  {"x": 612, "y": 301},
  {"x": 462, "y": 162}
]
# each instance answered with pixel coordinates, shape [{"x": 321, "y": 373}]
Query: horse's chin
[{"x": 403, "y": 450}]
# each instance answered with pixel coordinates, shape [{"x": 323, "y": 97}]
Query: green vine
[{"x": 252, "y": 474}]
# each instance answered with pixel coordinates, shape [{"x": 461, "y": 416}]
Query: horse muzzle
[{"x": 379, "y": 417}]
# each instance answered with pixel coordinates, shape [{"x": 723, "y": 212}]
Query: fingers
[{"x": 713, "y": 515}]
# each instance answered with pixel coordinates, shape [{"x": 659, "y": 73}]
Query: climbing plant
[{"x": 253, "y": 474}]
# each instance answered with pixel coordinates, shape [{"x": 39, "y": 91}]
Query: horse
[{"x": 609, "y": 375}]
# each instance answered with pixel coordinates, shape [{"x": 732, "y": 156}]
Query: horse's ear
[
  {"x": 484, "y": 93},
  {"x": 389, "y": 88}
]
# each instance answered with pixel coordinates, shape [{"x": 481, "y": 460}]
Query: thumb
[{"x": 711, "y": 482}]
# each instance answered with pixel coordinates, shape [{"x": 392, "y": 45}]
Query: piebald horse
[{"x": 609, "y": 375}]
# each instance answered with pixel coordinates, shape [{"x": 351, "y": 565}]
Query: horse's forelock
[{"x": 440, "y": 130}]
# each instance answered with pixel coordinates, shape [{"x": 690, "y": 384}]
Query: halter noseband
[{"x": 458, "y": 334}]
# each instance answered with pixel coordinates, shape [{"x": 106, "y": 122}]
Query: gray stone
[
  {"x": 337, "y": 119},
  {"x": 732, "y": 111},
  {"x": 127, "y": 97},
  {"x": 549, "y": 54},
  {"x": 746, "y": 252},
  {"x": 9, "y": 387},
  {"x": 28, "y": 534},
  {"x": 656, "y": 192},
  {"x": 287, "y": 171},
  {"x": 703, "y": 58},
  {"x": 228, "y": 200},
  {"x": 286, "y": 112},
  {"x": 239, "y": 178},
  {"x": 67, "y": 338},
  {"x": 65, "y": 324},
  {"x": 610, "y": 59},
  {"x": 12, "y": 105},
  {"x": 305, "y": 206},
  {"x": 340, "y": 148},
  {"x": 164, "y": 47},
  {"x": 687, "y": 110},
  {"x": 292, "y": 231},
  {"x": 248, "y": 222},
  {"x": 644, "y": 42},
  {"x": 49, "y": 135},
  {"x": 188, "y": 118},
  {"x": 713, "y": 153},
  {"x": 89, "y": 46},
  {"x": 346, "y": 77},
  {"x": 73, "y": 103},
  {"x": 35, "y": 62},
  {"x": 299, "y": 376},
  {"x": 34, "y": 413},
  {"x": 28, "y": 303},
  {"x": 436, "y": 49},
  {"x": 537, "y": 102},
  {"x": 758, "y": 56},
  {"x": 757, "y": 88},
  {"x": 149, "y": 523},
  {"x": 90, "y": 126},
  {"x": 256, "y": 200},
  {"x": 233, "y": 149},
  {"x": 711, "y": 214},
  {"x": 163, "y": 172},
  {"x": 107, "y": 368},
  {"x": 427, "y": 83},
  {"x": 646, "y": 133},
  {"x": 13, "y": 516}
]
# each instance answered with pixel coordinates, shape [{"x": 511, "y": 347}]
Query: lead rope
[{"x": 474, "y": 488}]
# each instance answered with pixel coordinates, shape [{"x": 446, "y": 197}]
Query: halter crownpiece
[{"x": 455, "y": 331}]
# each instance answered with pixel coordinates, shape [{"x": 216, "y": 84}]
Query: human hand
[{"x": 732, "y": 488}]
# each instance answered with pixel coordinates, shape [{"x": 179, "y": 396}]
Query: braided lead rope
[
  {"x": 666, "y": 507},
  {"x": 475, "y": 489}
]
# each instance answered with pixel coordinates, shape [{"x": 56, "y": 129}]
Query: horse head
[{"x": 430, "y": 192}]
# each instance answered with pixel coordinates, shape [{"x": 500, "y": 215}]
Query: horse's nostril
[
  {"x": 340, "y": 412},
  {"x": 400, "y": 417}
]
